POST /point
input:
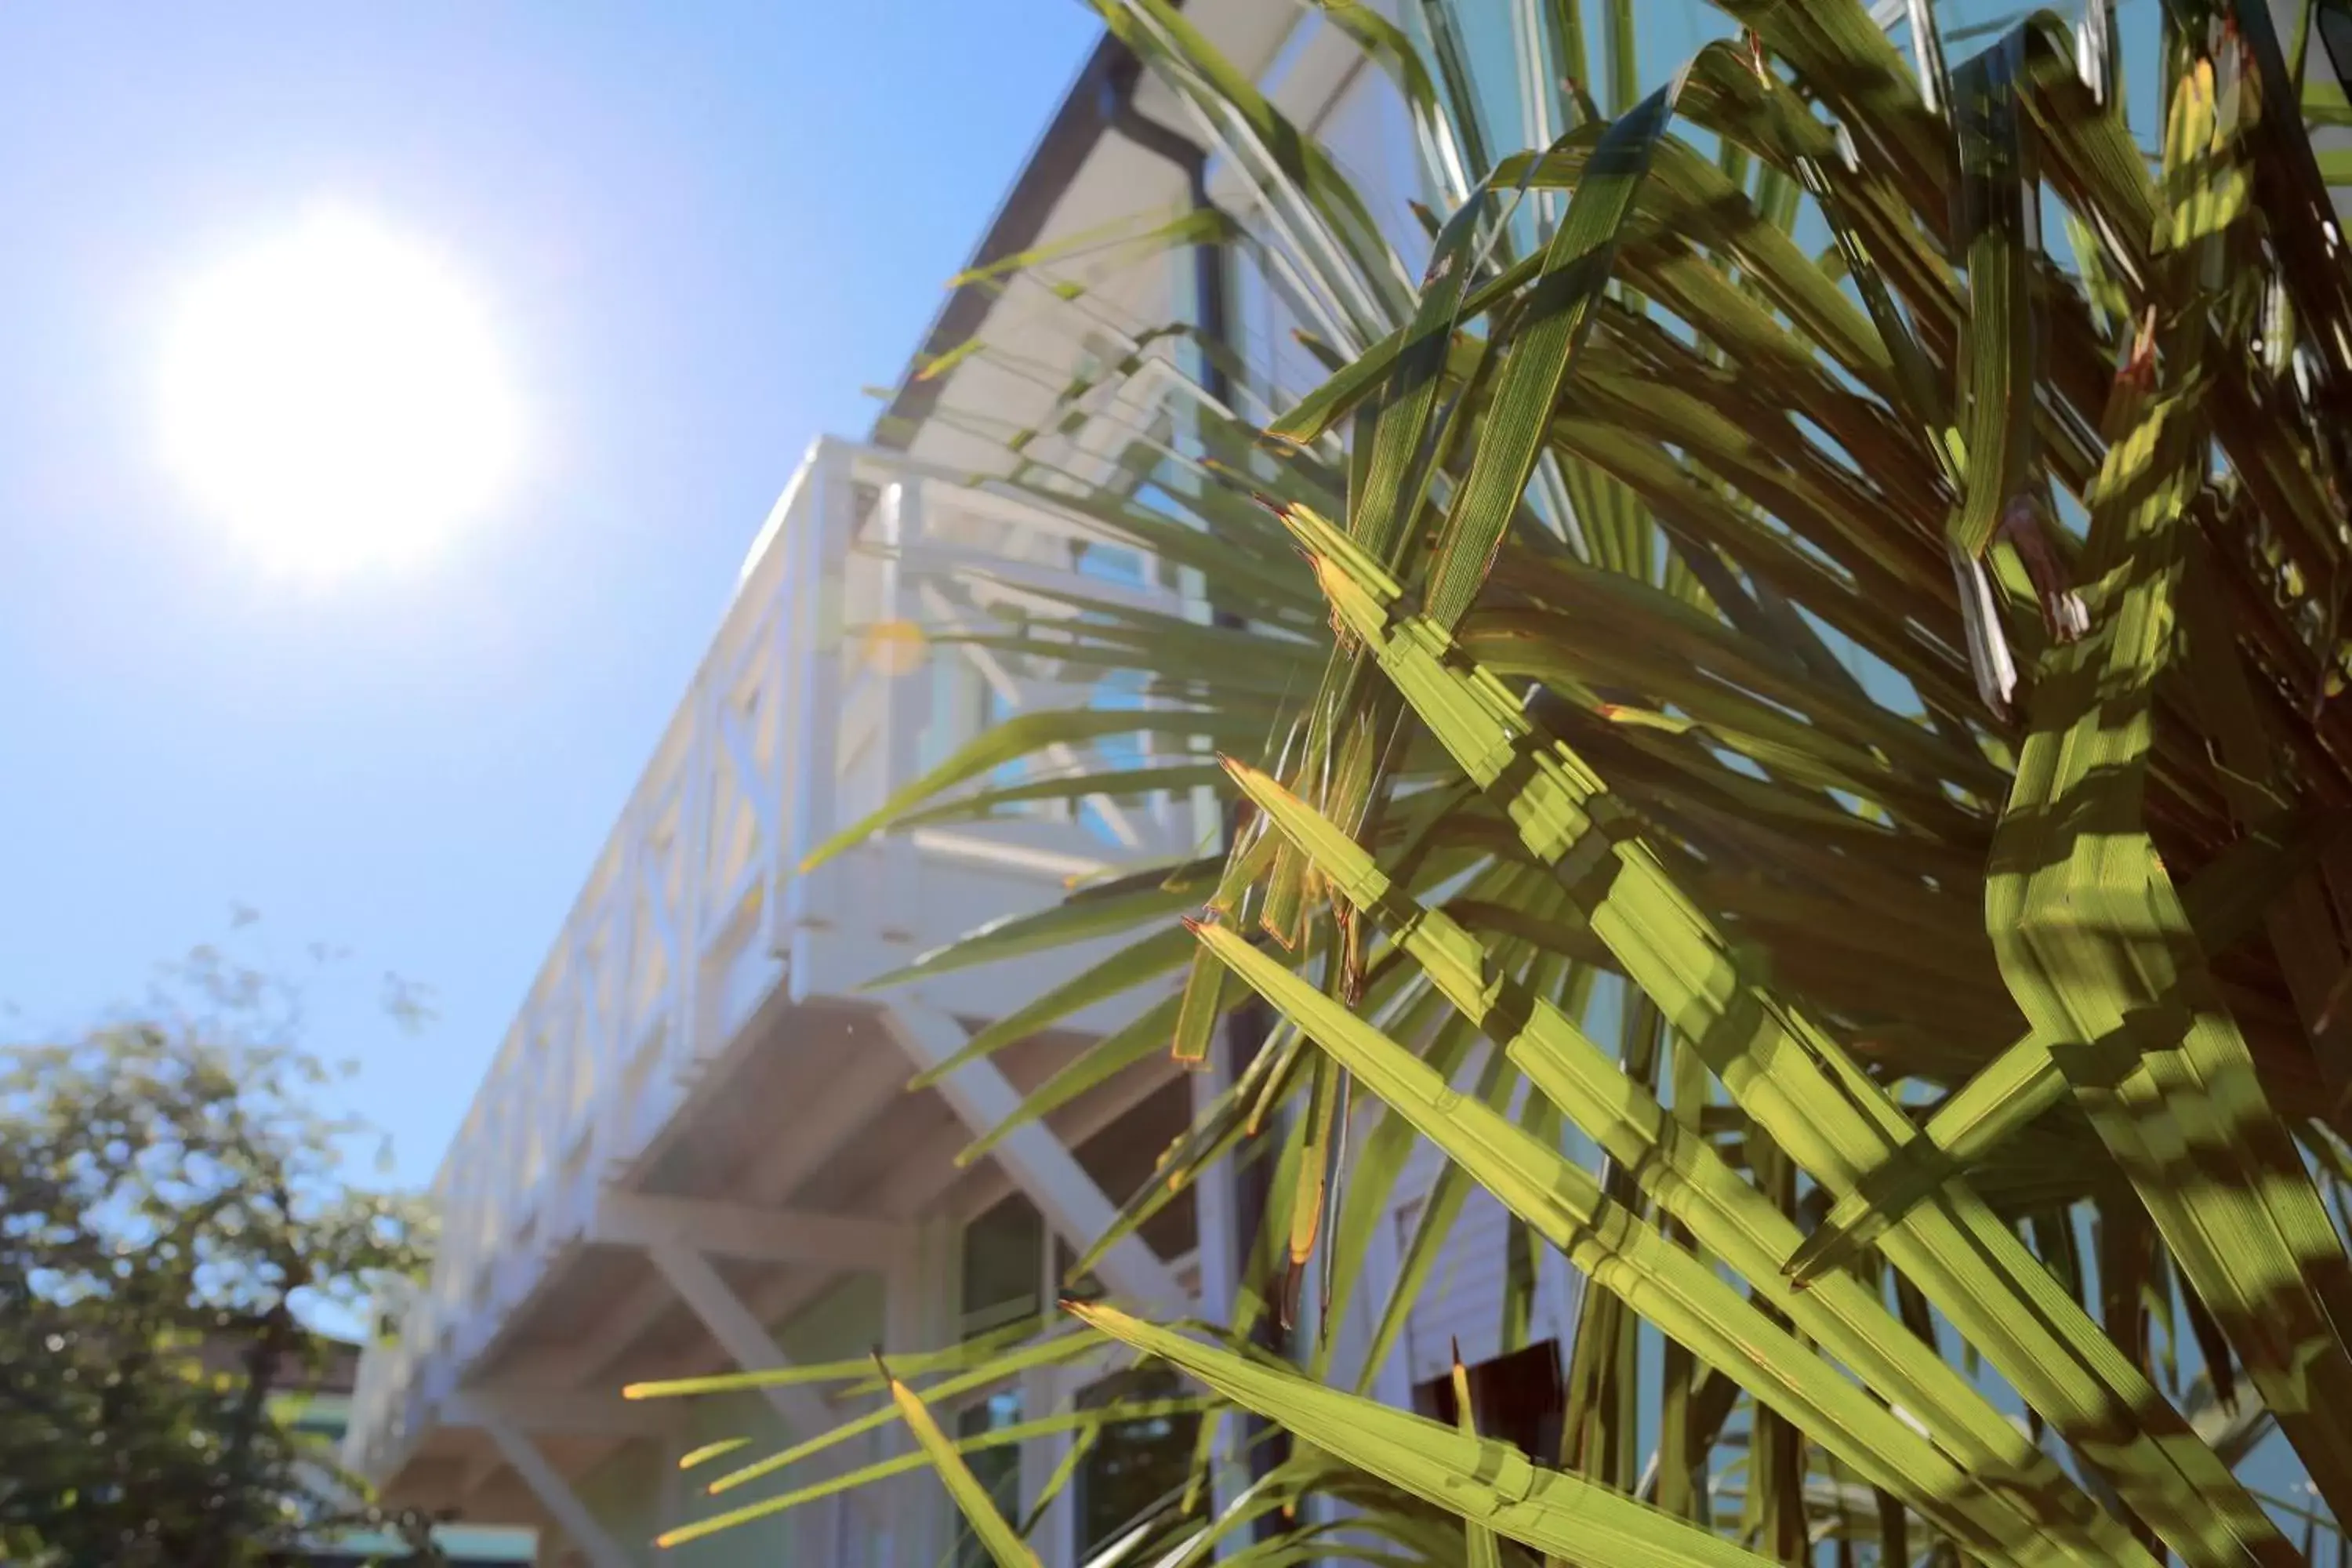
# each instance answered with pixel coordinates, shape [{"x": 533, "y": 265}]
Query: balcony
[{"x": 696, "y": 1097}]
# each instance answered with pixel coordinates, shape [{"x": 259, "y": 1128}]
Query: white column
[
  {"x": 920, "y": 1300},
  {"x": 1045, "y": 1391}
]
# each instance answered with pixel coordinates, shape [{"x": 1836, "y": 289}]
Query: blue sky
[{"x": 701, "y": 229}]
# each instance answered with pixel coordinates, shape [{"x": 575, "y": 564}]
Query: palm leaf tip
[
  {"x": 1003, "y": 1544},
  {"x": 709, "y": 1451}
]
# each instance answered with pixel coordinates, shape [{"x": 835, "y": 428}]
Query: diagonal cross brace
[
  {"x": 743, "y": 1337},
  {"x": 554, "y": 1494},
  {"x": 1048, "y": 1173}
]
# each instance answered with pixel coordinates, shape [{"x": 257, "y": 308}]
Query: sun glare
[{"x": 336, "y": 396}]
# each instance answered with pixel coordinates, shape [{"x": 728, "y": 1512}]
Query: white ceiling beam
[
  {"x": 746, "y": 1230},
  {"x": 924, "y": 1175},
  {"x": 827, "y": 1123}
]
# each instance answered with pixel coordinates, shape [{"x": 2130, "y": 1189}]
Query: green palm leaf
[
  {"x": 1479, "y": 1479},
  {"x": 1788, "y": 1075}
]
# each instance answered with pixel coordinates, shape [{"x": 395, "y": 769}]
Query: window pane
[
  {"x": 1123, "y": 1156},
  {"x": 1517, "y": 1397},
  {"x": 1137, "y": 1467},
  {"x": 1003, "y": 1264}
]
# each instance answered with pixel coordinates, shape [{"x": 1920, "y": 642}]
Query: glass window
[
  {"x": 997, "y": 1469},
  {"x": 1117, "y": 564},
  {"x": 1003, "y": 1278},
  {"x": 1122, "y": 1157},
  {"x": 1004, "y": 1266},
  {"x": 1517, "y": 1397},
  {"x": 1137, "y": 1467}
]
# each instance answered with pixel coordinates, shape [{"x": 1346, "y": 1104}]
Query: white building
[{"x": 696, "y": 1149}]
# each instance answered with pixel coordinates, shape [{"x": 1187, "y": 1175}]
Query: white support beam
[
  {"x": 554, "y": 1494},
  {"x": 745, "y": 1230},
  {"x": 925, "y": 1173},
  {"x": 740, "y": 1334},
  {"x": 1051, "y": 1176},
  {"x": 1073, "y": 1124},
  {"x": 744, "y": 1338},
  {"x": 825, "y": 1123}
]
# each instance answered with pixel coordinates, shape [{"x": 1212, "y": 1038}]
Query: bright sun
[{"x": 335, "y": 395}]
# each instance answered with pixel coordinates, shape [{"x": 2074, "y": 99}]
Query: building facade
[{"x": 696, "y": 1150}]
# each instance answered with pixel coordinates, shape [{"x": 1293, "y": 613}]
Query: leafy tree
[{"x": 175, "y": 1227}]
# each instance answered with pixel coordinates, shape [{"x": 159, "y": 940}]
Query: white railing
[{"x": 694, "y": 912}]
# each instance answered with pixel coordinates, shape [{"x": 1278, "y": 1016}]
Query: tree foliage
[{"x": 177, "y": 1226}]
